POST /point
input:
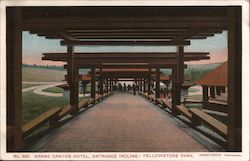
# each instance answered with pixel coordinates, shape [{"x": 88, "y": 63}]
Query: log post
[
  {"x": 157, "y": 85},
  {"x": 212, "y": 91},
  {"x": 149, "y": 81},
  {"x": 234, "y": 79},
  {"x": 101, "y": 82},
  {"x": 14, "y": 77},
  {"x": 144, "y": 85},
  {"x": 218, "y": 90},
  {"x": 204, "y": 96},
  {"x": 72, "y": 79},
  {"x": 93, "y": 81}
]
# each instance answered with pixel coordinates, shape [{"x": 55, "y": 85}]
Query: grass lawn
[
  {"x": 54, "y": 90},
  {"x": 30, "y": 74},
  {"x": 27, "y": 85},
  {"x": 34, "y": 105}
]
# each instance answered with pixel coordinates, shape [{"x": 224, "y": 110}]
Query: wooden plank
[
  {"x": 40, "y": 120},
  {"x": 166, "y": 103},
  {"x": 193, "y": 100},
  {"x": 65, "y": 110},
  {"x": 214, "y": 124},
  {"x": 121, "y": 43},
  {"x": 216, "y": 107},
  {"x": 83, "y": 103},
  {"x": 184, "y": 111},
  {"x": 91, "y": 101},
  {"x": 158, "y": 100}
]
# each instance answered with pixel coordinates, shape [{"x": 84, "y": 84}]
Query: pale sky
[{"x": 34, "y": 46}]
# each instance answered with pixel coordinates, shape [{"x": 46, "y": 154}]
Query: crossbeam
[{"x": 126, "y": 42}]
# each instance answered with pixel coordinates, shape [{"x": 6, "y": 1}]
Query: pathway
[
  {"x": 40, "y": 89},
  {"x": 123, "y": 123}
]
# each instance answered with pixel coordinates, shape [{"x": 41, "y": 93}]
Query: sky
[{"x": 34, "y": 46}]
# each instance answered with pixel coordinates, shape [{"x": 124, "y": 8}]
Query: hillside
[
  {"x": 196, "y": 71},
  {"x": 30, "y": 74}
]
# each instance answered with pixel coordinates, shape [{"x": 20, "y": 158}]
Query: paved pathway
[
  {"x": 124, "y": 123},
  {"x": 39, "y": 89}
]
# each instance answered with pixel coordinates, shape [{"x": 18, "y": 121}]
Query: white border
[{"x": 245, "y": 67}]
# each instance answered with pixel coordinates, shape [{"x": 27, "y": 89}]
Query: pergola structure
[{"x": 123, "y": 26}]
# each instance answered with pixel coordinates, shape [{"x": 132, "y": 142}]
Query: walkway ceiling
[{"x": 134, "y": 25}]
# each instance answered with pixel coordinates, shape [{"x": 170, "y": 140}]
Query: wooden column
[
  {"x": 218, "y": 90},
  {"x": 101, "y": 82},
  {"x": 212, "y": 91},
  {"x": 223, "y": 89},
  {"x": 205, "y": 95},
  {"x": 106, "y": 85},
  {"x": 93, "y": 81},
  {"x": 178, "y": 74},
  {"x": 141, "y": 84},
  {"x": 144, "y": 85},
  {"x": 176, "y": 91},
  {"x": 157, "y": 85},
  {"x": 234, "y": 79},
  {"x": 14, "y": 77},
  {"x": 72, "y": 79},
  {"x": 149, "y": 81}
]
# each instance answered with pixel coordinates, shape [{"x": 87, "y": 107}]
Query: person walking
[{"x": 134, "y": 88}]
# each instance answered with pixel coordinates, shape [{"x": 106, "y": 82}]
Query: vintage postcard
[{"x": 124, "y": 80}]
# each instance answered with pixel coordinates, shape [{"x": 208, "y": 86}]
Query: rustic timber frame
[{"x": 158, "y": 26}]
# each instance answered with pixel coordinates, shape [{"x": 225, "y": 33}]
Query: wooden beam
[
  {"x": 127, "y": 30},
  {"x": 14, "y": 77},
  {"x": 156, "y": 37},
  {"x": 127, "y": 57},
  {"x": 127, "y": 54},
  {"x": 93, "y": 81},
  {"x": 101, "y": 81},
  {"x": 235, "y": 79},
  {"x": 126, "y": 43},
  {"x": 72, "y": 79},
  {"x": 149, "y": 81},
  {"x": 157, "y": 85}
]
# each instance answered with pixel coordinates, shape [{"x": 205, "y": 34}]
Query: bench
[
  {"x": 158, "y": 100},
  {"x": 50, "y": 116},
  {"x": 83, "y": 103},
  {"x": 152, "y": 97},
  {"x": 91, "y": 101},
  {"x": 166, "y": 103},
  {"x": 145, "y": 95},
  {"x": 211, "y": 122},
  {"x": 65, "y": 110},
  {"x": 104, "y": 95},
  {"x": 184, "y": 111},
  {"x": 192, "y": 100},
  {"x": 99, "y": 97}
]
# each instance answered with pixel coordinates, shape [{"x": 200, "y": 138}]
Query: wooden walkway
[{"x": 124, "y": 123}]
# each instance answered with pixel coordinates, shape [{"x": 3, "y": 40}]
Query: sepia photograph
[{"x": 124, "y": 80}]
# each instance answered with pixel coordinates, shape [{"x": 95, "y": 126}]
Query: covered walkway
[{"x": 125, "y": 123}]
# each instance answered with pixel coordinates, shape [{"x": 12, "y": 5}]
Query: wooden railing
[
  {"x": 196, "y": 116},
  {"x": 53, "y": 116}
]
